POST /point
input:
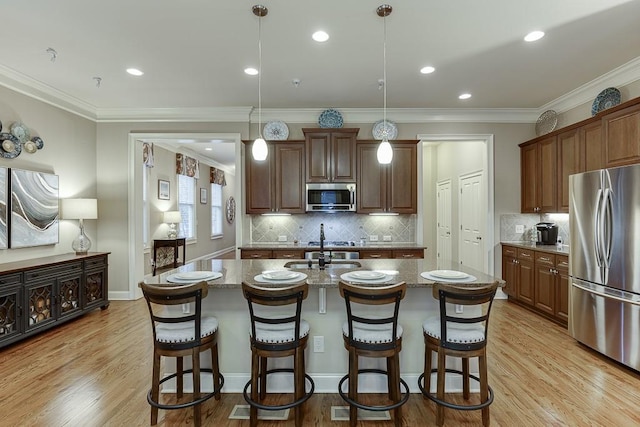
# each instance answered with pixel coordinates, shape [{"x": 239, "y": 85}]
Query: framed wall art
[
  {"x": 203, "y": 196},
  {"x": 163, "y": 190},
  {"x": 34, "y": 209},
  {"x": 3, "y": 208}
]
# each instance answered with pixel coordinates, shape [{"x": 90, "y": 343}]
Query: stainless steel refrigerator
[{"x": 604, "y": 263}]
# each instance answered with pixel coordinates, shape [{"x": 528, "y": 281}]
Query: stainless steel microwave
[{"x": 331, "y": 197}]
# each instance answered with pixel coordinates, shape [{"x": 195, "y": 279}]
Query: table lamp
[
  {"x": 80, "y": 209},
  {"x": 172, "y": 218}
]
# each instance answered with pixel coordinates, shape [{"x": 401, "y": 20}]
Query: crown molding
[
  {"x": 226, "y": 114},
  {"x": 618, "y": 77}
]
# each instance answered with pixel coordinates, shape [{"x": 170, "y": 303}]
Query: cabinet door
[
  {"x": 11, "y": 304},
  {"x": 591, "y": 147},
  {"x": 289, "y": 178},
  {"x": 545, "y": 279},
  {"x": 95, "y": 288},
  {"x": 622, "y": 137},
  {"x": 548, "y": 175},
  {"x": 526, "y": 284},
  {"x": 255, "y": 254},
  {"x": 343, "y": 156},
  {"x": 259, "y": 183},
  {"x": 69, "y": 299},
  {"x": 510, "y": 275},
  {"x": 318, "y": 146},
  {"x": 562, "y": 289},
  {"x": 529, "y": 179},
  {"x": 568, "y": 164},
  {"x": 371, "y": 188},
  {"x": 40, "y": 301},
  {"x": 403, "y": 179}
]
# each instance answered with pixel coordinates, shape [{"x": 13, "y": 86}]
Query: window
[
  {"x": 187, "y": 206},
  {"x": 145, "y": 206},
  {"x": 216, "y": 210}
]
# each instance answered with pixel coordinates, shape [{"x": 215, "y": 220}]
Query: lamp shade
[
  {"x": 79, "y": 209},
  {"x": 172, "y": 217}
]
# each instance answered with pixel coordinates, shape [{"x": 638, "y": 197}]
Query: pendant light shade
[
  {"x": 259, "y": 149},
  {"x": 385, "y": 152}
]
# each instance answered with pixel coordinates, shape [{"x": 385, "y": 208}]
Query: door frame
[{"x": 488, "y": 169}]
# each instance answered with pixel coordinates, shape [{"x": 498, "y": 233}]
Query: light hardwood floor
[{"x": 96, "y": 370}]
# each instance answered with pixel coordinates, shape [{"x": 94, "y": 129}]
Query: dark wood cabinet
[
  {"x": 38, "y": 294},
  {"x": 561, "y": 311},
  {"x": 288, "y": 254},
  {"x": 568, "y": 164},
  {"x": 272, "y": 253},
  {"x": 622, "y": 134},
  {"x": 163, "y": 260},
  {"x": 331, "y": 154},
  {"x": 591, "y": 147},
  {"x": 377, "y": 253},
  {"x": 526, "y": 277},
  {"x": 408, "y": 253},
  {"x": 545, "y": 283},
  {"x": 510, "y": 271},
  {"x": 276, "y": 185},
  {"x": 388, "y": 188},
  {"x": 539, "y": 168},
  {"x": 529, "y": 202}
]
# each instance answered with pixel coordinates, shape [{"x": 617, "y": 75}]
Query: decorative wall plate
[
  {"x": 379, "y": 129},
  {"x": 38, "y": 141},
  {"x": 546, "y": 122},
  {"x": 10, "y": 146},
  {"x": 275, "y": 131},
  {"x": 330, "y": 119},
  {"x": 30, "y": 147},
  {"x": 610, "y": 97},
  {"x": 20, "y": 131},
  {"x": 230, "y": 210}
]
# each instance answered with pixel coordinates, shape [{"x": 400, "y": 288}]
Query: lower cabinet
[
  {"x": 272, "y": 253},
  {"x": 369, "y": 253},
  {"x": 537, "y": 280},
  {"x": 38, "y": 294}
]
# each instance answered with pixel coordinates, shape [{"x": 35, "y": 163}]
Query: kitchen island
[{"x": 324, "y": 309}]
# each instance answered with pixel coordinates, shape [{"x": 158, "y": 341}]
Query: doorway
[
  {"x": 443, "y": 218},
  {"x": 472, "y": 221}
]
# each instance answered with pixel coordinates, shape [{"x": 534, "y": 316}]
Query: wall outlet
[
  {"x": 318, "y": 344},
  {"x": 519, "y": 228},
  {"x": 386, "y": 238},
  {"x": 373, "y": 238},
  {"x": 282, "y": 238}
]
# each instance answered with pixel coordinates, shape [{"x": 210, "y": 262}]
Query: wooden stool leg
[
  {"x": 255, "y": 365},
  {"x": 155, "y": 387},
  {"x": 465, "y": 378},
  {"x": 215, "y": 367},
  {"x": 195, "y": 362},
  {"x": 484, "y": 388},
  {"x": 298, "y": 374},
  {"x": 427, "y": 369},
  {"x": 393, "y": 366},
  {"x": 263, "y": 378},
  {"x": 353, "y": 386},
  {"x": 440, "y": 392},
  {"x": 179, "y": 378}
]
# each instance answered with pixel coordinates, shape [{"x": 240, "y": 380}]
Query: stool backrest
[
  {"x": 169, "y": 294},
  {"x": 466, "y": 296},
  {"x": 373, "y": 295},
  {"x": 275, "y": 297}
]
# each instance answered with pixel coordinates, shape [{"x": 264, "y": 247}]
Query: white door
[
  {"x": 472, "y": 220},
  {"x": 443, "y": 217}
]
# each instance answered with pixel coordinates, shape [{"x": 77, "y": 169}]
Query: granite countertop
[
  {"x": 357, "y": 246},
  {"x": 234, "y": 272},
  {"x": 551, "y": 249}
]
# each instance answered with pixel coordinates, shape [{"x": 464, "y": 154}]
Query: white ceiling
[{"x": 193, "y": 52}]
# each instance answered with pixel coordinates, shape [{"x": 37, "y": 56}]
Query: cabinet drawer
[
  {"x": 374, "y": 254},
  {"x": 256, "y": 254},
  {"x": 95, "y": 262},
  {"x": 288, "y": 254},
  {"x": 510, "y": 251},
  {"x": 562, "y": 262},
  {"x": 526, "y": 254},
  {"x": 53, "y": 271},
  {"x": 545, "y": 259},
  {"x": 408, "y": 253},
  {"x": 10, "y": 279}
]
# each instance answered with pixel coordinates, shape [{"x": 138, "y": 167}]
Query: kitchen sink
[{"x": 335, "y": 265}]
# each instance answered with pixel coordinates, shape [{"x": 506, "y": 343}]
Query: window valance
[
  {"x": 216, "y": 176},
  {"x": 186, "y": 165}
]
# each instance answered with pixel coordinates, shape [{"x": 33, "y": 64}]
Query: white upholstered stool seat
[
  {"x": 373, "y": 334},
  {"x": 457, "y": 333},
  {"x": 184, "y": 332}
]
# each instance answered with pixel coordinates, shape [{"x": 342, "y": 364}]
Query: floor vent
[
  {"x": 341, "y": 413},
  {"x": 241, "y": 412}
]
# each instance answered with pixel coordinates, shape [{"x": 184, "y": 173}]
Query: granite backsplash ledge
[{"x": 338, "y": 226}]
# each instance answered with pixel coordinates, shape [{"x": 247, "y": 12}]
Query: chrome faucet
[{"x": 321, "y": 261}]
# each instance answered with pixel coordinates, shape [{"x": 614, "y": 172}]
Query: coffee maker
[{"x": 547, "y": 233}]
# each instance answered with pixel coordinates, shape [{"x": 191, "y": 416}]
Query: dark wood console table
[
  {"x": 169, "y": 243},
  {"x": 38, "y": 294}
]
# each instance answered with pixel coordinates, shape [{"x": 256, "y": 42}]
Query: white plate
[
  {"x": 379, "y": 130},
  {"x": 280, "y": 274},
  {"x": 449, "y": 274},
  {"x": 193, "y": 275},
  {"x": 298, "y": 278},
  {"x": 212, "y": 275},
  {"x": 349, "y": 277},
  {"x": 276, "y": 131},
  {"x": 366, "y": 275}
]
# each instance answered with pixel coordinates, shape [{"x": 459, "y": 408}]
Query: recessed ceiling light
[
  {"x": 533, "y": 36},
  {"x": 320, "y": 36},
  {"x": 465, "y": 96},
  {"x": 251, "y": 71},
  {"x": 427, "y": 70},
  {"x": 134, "y": 72}
]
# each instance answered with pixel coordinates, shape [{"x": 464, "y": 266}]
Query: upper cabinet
[
  {"x": 387, "y": 188},
  {"x": 539, "y": 167},
  {"x": 622, "y": 133},
  {"x": 276, "y": 185},
  {"x": 331, "y": 154}
]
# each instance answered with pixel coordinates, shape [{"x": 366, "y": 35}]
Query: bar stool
[
  {"x": 372, "y": 335},
  {"x": 178, "y": 334},
  {"x": 457, "y": 335},
  {"x": 275, "y": 333}
]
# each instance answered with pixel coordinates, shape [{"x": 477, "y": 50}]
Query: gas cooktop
[{"x": 333, "y": 243}]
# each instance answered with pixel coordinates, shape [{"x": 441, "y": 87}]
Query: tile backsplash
[
  {"x": 508, "y": 224},
  {"x": 341, "y": 226}
]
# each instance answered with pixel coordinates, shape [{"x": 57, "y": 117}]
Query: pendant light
[
  {"x": 385, "y": 152},
  {"x": 259, "y": 149}
]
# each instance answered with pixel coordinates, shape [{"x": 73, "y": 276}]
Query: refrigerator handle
[
  {"x": 598, "y": 228},
  {"x": 607, "y": 218},
  {"x": 605, "y": 295}
]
